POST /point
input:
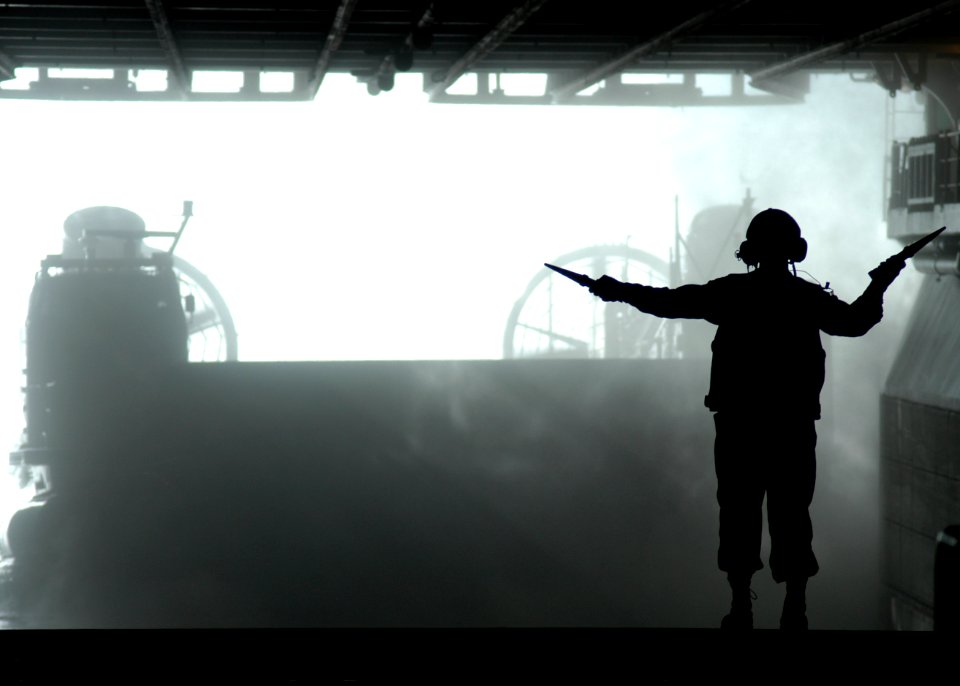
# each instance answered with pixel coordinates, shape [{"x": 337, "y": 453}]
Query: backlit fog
[{"x": 357, "y": 227}]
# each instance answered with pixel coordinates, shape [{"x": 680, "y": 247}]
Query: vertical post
[
  {"x": 946, "y": 584},
  {"x": 550, "y": 312},
  {"x": 673, "y": 332},
  {"x": 187, "y": 213},
  {"x": 675, "y": 261}
]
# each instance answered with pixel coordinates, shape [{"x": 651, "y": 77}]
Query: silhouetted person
[{"x": 765, "y": 381}]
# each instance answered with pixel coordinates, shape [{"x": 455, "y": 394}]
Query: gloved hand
[
  {"x": 887, "y": 271},
  {"x": 607, "y": 288}
]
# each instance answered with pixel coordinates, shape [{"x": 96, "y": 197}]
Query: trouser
[{"x": 772, "y": 455}]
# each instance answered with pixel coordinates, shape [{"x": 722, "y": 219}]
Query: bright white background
[{"x": 360, "y": 227}]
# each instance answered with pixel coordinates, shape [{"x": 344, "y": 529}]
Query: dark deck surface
[{"x": 469, "y": 655}]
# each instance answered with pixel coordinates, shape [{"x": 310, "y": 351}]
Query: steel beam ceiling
[
  {"x": 851, "y": 44},
  {"x": 621, "y": 62},
  {"x": 168, "y": 42},
  {"x": 575, "y": 45},
  {"x": 332, "y": 43},
  {"x": 7, "y": 66},
  {"x": 486, "y": 45}
]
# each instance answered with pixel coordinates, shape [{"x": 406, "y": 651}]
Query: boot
[
  {"x": 741, "y": 605},
  {"x": 794, "y": 615}
]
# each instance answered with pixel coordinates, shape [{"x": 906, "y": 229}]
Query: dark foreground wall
[
  {"x": 920, "y": 420},
  {"x": 384, "y": 494}
]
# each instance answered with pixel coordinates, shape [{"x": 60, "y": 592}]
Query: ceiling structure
[{"x": 767, "y": 47}]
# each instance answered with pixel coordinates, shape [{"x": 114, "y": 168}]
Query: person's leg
[
  {"x": 794, "y": 615},
  {"x": 791, "y": 533},
  {"x": 741, "y": 604},
  {"x": 740, "y": 496}
]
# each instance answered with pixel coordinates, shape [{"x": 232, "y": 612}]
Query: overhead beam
[
  {"x": 916, "y": 77},
  {"x": 168, "y": 42},
  {"x": 516, "y": 18},
  {"x": 617, "y": 93},
  {"x": 845, "y": 46},
  {"x": 338, "y": 30},
  {"x": 7, "y": 66},
  {"x": 401, "y": 59},
  {"x": 621, "y": 62}
]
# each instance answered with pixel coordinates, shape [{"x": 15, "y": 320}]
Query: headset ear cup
[
  {"x": 800, "y": 250},
  {"x": 745, "y": 253}
]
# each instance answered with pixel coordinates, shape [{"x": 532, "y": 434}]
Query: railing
[{"x": 925, "y": 172}]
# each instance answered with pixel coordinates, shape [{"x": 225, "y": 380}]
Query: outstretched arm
[
  {"x": 855, "y": 319},
  {"x": 684, "y": 302}
]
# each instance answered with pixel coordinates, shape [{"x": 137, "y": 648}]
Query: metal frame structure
[
  {"x": 440, "y": 81},
  {"x": 341, "y": 21},
  {"x": 853, "y": 43},
  {"x": 575, "y": 46},
  {"x": 647, "y": 47},
  {"x": 168, "y": 42}
]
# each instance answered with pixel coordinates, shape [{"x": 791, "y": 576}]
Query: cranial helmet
[{"x": 774, "y": 234}]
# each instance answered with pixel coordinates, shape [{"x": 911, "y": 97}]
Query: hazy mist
[{"x": 360, "y": 228}]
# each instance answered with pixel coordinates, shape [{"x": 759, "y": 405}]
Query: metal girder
[
  {"x": 617, "y": 93},
  {"x": 917, "y": 76},
  {"x": 891, "y": 75},
  {"x": 121, "y": 88},
  {"x": 888, "y": 76},
  {"x": 338, "y": 30},
  {"x": 7, "y": 66},
  {"x": 161, "y": 22},
  {"x": 885, "y": 31},
  {"x": 510, "y": 23},
  {"x": 618, "y": 64},
  {"x": 400, "y": 60}
]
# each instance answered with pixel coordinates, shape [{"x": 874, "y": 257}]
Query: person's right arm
[{"x": 684, "y": 302}]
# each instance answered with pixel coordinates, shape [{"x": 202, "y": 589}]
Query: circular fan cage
[
  {"x": 557, "y": 318},
  {"x": 212, "y": 335}
]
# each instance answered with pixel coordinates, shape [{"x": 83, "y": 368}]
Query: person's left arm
[
  {"x": 684, "y": 302},
  {"x": 855, "y": 319}
]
